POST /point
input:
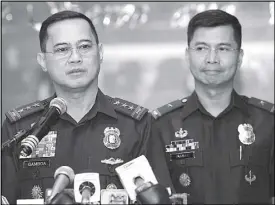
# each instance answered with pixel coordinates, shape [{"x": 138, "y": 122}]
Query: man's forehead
[
  {"x": 220, "y": 34},
  {"x": 70, "y": 28}
]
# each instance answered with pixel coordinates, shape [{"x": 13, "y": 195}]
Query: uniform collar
[
  {"x": 194, "y": 104},
  {"x": 101, "y": 105}
]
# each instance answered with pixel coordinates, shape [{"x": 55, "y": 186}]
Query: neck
[
  {"x": 214, "y": 99},
  {"x": 79, "y": 102}
]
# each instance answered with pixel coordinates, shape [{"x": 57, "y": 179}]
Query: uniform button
[
  {"x": 111, "y": 168},
  {"x": 36, "y": 173},
  {"x": 184, "y": 100},
  {"x": 111, "y": 186}
]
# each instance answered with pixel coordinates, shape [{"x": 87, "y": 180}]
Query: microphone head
[
  {"x": 68, "y": 171},
  {"x": 60, "y": 104}
]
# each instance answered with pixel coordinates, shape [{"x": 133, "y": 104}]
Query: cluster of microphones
[{"x": 139, "y": 184}]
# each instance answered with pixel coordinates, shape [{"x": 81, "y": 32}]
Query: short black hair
[
  {"x": 60, "y": 16},
  {"x": 213, "y": 18}
]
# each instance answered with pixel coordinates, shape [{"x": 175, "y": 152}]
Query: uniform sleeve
[
  {"x": 8, "y": 168},
  {"x": 272, "y": 168},
  {"x": 156, "y": 157}
]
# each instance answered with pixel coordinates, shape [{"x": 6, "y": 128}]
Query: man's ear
[
  {"x": 240, "y": 58},
  {"x": 41, "y": 61},
  {"x": 186, "y": 57},
  {"x": 100, "y": 47}
]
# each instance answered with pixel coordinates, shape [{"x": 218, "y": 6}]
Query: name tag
[
  {"x": 182, "y": 155},
  {"x": 36, "y": 163}
]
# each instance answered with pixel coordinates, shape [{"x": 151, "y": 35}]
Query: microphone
[
  {"x": 141, "y": 184},
  {"x": 4, "y": 200},
  {"x": 64, "y": 197},
  {"x": 149, "y": 193},
  {"x": 63, "y": 177},
  {"x": 87, "y": 188},
  {"x": 41, "y": 128}
]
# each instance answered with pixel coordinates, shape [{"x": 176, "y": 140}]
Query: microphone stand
[{"x": 17, "y": 137}]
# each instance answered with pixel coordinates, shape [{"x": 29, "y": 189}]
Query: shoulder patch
[
  {"x": 18, "y": 113},
  {"x": 130, "y": 109},
  {"x": 168, "y": 108},
  {"x": 261, "y": 104}
]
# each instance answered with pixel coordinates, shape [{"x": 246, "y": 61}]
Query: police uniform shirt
[
  {"x": 215, "y": 172},
  {"x": 78, "y": 145}
]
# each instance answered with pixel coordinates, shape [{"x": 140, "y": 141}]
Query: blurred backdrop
[{"x": 144, "y": 44}]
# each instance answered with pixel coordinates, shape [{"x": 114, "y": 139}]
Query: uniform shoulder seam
[
  {"x": 21, "y": 112},
  {"x": 167, "y": 108},
  {"x": 129, "y": 109},
  {"x": 262, "y": 104}
]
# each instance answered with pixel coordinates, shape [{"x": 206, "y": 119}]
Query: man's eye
[
  {"x": 223, "y": 49},
  {"x": 85, "y": 46},
  {"x": 61, "y": 50},
  {"x": 202, "y": 48}
]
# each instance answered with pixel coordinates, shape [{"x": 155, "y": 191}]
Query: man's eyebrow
[
  {"x": 61, "y": 44},
  {"x": 84, "y": 40},
  {"x": 201, "y": 43},
  {"x": 79, "y": 41},
  {"x": 219, "y": 44}
]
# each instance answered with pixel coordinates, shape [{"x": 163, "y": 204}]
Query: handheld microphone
[
  {"x": 134, "y": 173},
  {"x": 64, "y": 197},
  {"x": 63, "y": 177},
  {"x": 149, "y": 193},
  {"x": 87, "y": 188},
  {"x": 4, "y": 200},
  {"x": 41, "y": 128}
]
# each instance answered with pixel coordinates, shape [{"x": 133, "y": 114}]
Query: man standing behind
[
  {"x": 96, "y": 134},
  {"x": 219, "y": 145}
]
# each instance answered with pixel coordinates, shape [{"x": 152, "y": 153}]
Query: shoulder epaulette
[
  {"x": 127, "y": 108},
  {"x": 168, "y": 108},
  {"x": 261, "y": 104},
  {"x": 18, "y": 113}
]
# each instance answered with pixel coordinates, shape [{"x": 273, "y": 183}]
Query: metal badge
[
  {"x": 181, "y": 133},
  {"x": 112, "y": 161},
  {"x": 37, "y": 192},
  {"x": 185, "y": 180},
  {"x": 111, "y": 139},
  {"x": 250, "y": 177},
  {"x": 246, "y": 134},
  {"x": 111, "y": 186}
]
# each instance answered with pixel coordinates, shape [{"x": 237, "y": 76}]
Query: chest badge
[
  {"x": 246, "y": 134},
  {"x": 250, "y": 177},
  {"x": 181, "y": 133},
  {"x": 185, "y": 180},
  {"x": 111, "y": 139},
  {"x": 37, "y": 192}
]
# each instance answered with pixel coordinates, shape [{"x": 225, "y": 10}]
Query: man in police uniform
[
  {"x": 96, "y": 134},
  {"x": 219, "y": 145}
]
